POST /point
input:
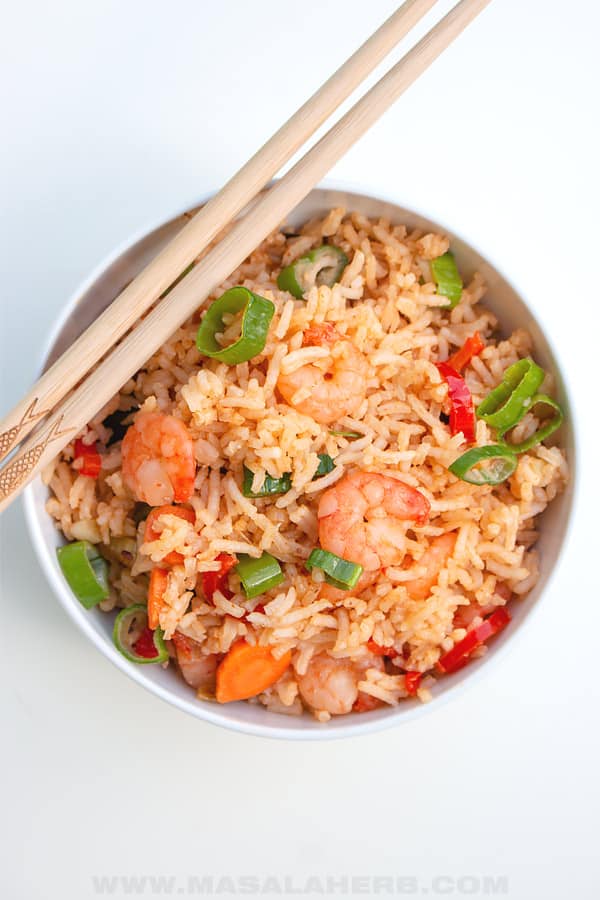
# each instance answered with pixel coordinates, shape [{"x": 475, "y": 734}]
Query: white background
[{"x": 114, "y": 114}]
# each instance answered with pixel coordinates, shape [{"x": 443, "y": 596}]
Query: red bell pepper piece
[
  {"x": 412, "y": 680},
  {"x": 91, "y": 461},
  {"x": 216, "y": 581},
  {"x": 471, "y": 347},
  {"x": 144, "y": 646},
  {"x": 459, "y": 656},
  {"x": 378, "y": 650},
  {"x": 462, "y": 413}
]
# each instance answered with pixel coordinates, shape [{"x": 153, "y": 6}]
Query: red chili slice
[
  {"x": 144, "y": 646},
  {"x": 91, "y": 460},
  {"x": 217, "y": 581},
  {"x": 462, "y": 413},
  {"x": 471, "y": 347},
  {"x": 412, "y": 680},
  {"x": 378, "y": 650},
  {"x": 459, "y": 656}
]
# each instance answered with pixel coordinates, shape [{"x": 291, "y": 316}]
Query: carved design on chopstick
[
  {"x": 12, "y": 475},
  {"x": 121, "y": 358},
  {"x": 9, "y": 438}
]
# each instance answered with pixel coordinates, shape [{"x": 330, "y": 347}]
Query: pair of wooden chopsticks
[{"x": 57, "y": 420}]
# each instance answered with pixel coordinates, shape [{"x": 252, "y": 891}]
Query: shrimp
[
  {"x": 332, "y": 684},
  {"x": 158, "y": 459},
  {"x": 434, "y": 559},
  {"x": 363, "y": 518},
  {"x": 335, "y": 386},
  {"x": 198, "y": 669}
]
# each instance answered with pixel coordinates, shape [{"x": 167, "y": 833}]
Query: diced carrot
[
  {"x": 471, "y": 347},
  {"x": 150, "y": 534},
  {"x": 156, "y": 592},
  {"x": 247, "y": 670}
]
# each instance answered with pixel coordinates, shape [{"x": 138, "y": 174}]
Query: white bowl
[{"x": 100, "y": 289}]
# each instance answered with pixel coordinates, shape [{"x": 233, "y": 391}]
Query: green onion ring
[
  {"x": 323, "y": 265},
  {"x": 122, "y": 639},
  {"x": 86, "y": 572},
  {"x": 545, "y": 430},
  {"x": 257, "y": 315},
  {"x": 447, "y": 278},
  {"x": 501, "y": 463},
  {"x": 507, "y": 404},
  {"x": 341, "y": 573},
  {"x": 258, "y": 575}
]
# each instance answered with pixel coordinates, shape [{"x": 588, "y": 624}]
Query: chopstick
[
  {"x": 145, "y": 339},
  {"x": 168, "y": 265}
]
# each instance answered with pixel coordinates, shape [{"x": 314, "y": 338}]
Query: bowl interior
[{"x": 98, "y": 293}]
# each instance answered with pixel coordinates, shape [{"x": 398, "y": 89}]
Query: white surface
[{"x": 113, "y": 115}]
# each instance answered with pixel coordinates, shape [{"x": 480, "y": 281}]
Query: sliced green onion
[
  {"x": 323, "y": 265},
  {"x": 447, "y": 278},
  {"x": 86, "y": 572},
  {"x": 339, "y": 572},
  {"x": 506, "y": 405},
  {"x": 258, "y": 575},
  {"x": 543, "y": 431},
  {"x": 485, "y": 465},
  {"x": 351, "y": 435},
  {"x": 130, "y": 625},
  {"x": 269, "y": 486},
  {"x": 256, "y": 318},
  {"x": 179, "y": 278},
  {"x": 283, "y": 484},
  {"x": 326, "y": 465}
]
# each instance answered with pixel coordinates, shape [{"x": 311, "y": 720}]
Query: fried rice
[{"x": 387, "y": 306}]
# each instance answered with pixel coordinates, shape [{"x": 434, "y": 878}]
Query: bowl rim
[{"x": 213, "y": 713}]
